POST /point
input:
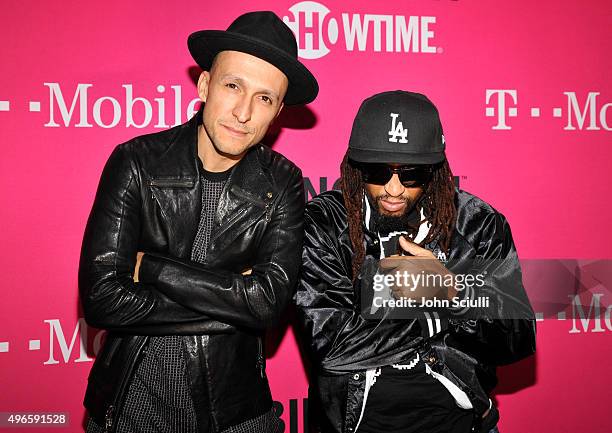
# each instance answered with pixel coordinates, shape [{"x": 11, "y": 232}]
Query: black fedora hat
[{"x": 263, "y": 35}]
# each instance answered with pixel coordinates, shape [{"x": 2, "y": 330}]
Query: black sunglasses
[{"x": 410, "y": 176}]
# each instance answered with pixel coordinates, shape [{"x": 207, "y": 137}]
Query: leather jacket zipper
[
  {"x": 268, "y": 212},
  {"x": 267, "y": 205},
  {"x": 226, "y": 225},
  {"x": 249, "y": 198},
  {"x": 170, "y": 183},
  {"x": 127, "y": 373},
  {"x": 108, "y": 419},
  {"x": 205, "y": 339},
  {"x": 260, "y": 359}
]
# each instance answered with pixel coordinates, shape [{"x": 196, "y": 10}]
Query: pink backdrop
[{"x": 524, "y": 93}]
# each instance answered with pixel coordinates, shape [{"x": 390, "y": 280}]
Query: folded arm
[
  {"x": 110, "y": 297},
  {"x": 254, "y": 300}
]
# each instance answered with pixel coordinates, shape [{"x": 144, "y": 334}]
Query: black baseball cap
[{"x": 397, "y": 127}]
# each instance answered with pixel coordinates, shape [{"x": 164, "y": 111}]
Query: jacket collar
[{"x": 180, "y": 161}]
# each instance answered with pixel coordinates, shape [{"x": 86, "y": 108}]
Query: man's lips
[
  {"x": 235, "y": 132},
  {"x": 392, "y": 206}
]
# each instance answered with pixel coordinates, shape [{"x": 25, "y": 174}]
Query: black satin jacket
[
  {"x": 149, "y": 199},
  {"x": 344, "y": 344}
]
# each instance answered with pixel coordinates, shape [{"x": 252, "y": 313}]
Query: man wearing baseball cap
[
  {"x": 379, "y": 368},
  {"x": 192, "y": 247}
]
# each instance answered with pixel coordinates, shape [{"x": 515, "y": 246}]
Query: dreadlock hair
[{"x": 437, "y": 203}]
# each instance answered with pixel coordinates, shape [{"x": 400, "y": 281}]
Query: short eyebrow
[{"x": 241, "y": 81}]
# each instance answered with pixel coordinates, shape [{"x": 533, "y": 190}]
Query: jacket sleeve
[
  {"x": 504, "y": 332},
  {"x": 110, "y": 297},
  {"x": 340, "y": 338},
  {"x": 256, "y": 300}
]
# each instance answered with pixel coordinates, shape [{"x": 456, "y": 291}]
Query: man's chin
[
  {"x": 390, "y": 221},
  {"x": 232, "y": 151},
  {"x": 397, "y": 213},
  {"x": 388, "y": 214}
]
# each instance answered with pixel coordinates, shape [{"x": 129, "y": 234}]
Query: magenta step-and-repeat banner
[{"x": 524, "y": 92}]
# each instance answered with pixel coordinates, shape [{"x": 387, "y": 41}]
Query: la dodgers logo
[
  {"x": 397, "y": 130},
  {"x": 441, "y": 255}
]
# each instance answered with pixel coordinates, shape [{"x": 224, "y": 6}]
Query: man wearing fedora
[
  {"x": 192, "y": 247},
  {"x": 379, "y": 367}
]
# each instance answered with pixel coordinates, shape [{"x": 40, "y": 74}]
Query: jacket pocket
[
  {"x": 104, "y": 358},
  {"x": 110, "y": 349},
  {"x": 460, "y": 370},
  {"x": 161, "y": 182},
  {"x": 110, "y": 377},
  {"x": 242, "y": 194}
]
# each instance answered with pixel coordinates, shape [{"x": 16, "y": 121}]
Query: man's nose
[
  {"x": 242, "y": 109},
  {"x": 394, "y": 187}
]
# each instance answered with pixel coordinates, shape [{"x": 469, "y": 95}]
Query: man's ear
[{"x": 203, "y": 83}]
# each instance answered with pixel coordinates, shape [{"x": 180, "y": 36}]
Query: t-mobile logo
[
  {"x": 582, "y": 112},
  {"x": 501, "y": 111}
]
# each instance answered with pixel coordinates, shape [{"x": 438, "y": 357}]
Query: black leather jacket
[
  {"x": 344, "y": 344},
  {"x": 149, "y": 199}
]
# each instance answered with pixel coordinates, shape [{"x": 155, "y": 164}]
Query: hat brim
[
  {"x": 382, "y": 157},
  {"x": 206, "y": 44}
]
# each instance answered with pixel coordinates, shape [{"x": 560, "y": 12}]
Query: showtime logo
[{"x": 316, "y": 30}]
